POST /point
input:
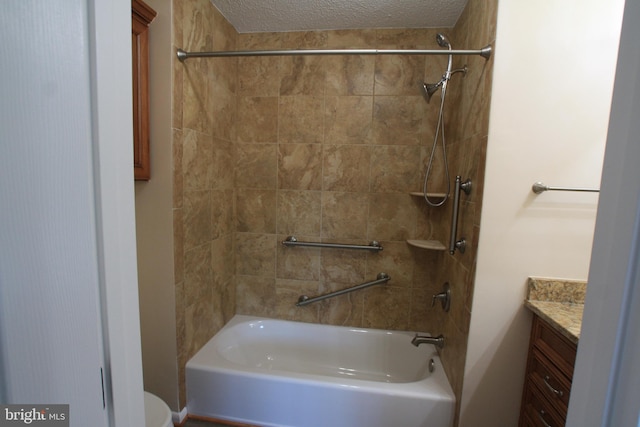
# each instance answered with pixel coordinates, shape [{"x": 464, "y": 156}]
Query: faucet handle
[{"x": 444, "y": 297}]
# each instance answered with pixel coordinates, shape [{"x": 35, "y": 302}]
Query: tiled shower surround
[{"x": 326, "y": 148}]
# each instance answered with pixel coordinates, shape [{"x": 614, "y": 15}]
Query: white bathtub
[{"x": 268, "y": 372}]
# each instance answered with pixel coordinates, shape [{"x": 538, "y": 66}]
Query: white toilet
[{"x": 157, "y": 413}]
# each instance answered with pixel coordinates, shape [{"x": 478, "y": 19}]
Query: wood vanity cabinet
[
  {"x": 548, "y": 377},
  {"x": 141, "y": 17}
]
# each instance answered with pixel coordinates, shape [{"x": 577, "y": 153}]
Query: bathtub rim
[{"x": 436, "y": 385}]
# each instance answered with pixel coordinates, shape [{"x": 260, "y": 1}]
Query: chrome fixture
[
  {"x": 444, "y": 297},
  {"x": 421, "y": 339},
  {"x": 292, "y": 241},
  {"x": 182, "y": 55},
  {"x": 461, "y": 244},
  {"x": 540, "y": 187},
  {"x": 428, "y": 90},
  {"x": 381, "y": 278}
]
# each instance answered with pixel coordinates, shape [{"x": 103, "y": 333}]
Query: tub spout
[{"x": 437, "y": 341}]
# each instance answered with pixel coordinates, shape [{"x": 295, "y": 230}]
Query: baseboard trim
[{"x": 179, "y": 418}]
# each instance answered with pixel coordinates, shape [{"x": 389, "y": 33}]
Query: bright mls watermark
[{"x": 36, "y": 415}]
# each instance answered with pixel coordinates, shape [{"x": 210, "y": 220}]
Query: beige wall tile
[
  {"x": 395, "y": 169},
  {"x": 255, "y": 165},
  {"x": 386, "y": 307},
  {"x": 178, "y": 246},
  {"x": 255, "y": 254},
  {"x": 396, "y": 260},
  {"x": 198, "y": 275},
  {"x": 222, "y": 262},
  {"x": 195, "y": 89},
  {"x": 344, "y": 310},
  {"x": 177, "y": 175},
  {"x": 344, "y": 215},
  {"x": 299, "y": 212},
  {"x": 256, "y": 295},
  {"x": 304, "y": 40},
  {"x": 259, "y": 119},
  {"x": 344, "y": 266},
  {"x": 298, "y": 263},
  {"x": 351, "y": 39},
  {"x": 391, "y": 216},
  {"x": 221, "y": 213},
  {"x": 349, "y": 75},
  {"x": 300, "y": 166},
  {"x": 303, "y": 75},
  {"x": 198, "y": 325},
  {"x": 256, "y": 211},
  {"x": 259, "y": 76},
  {"x": 399, "y": 120},
  {"x": 197, "y": 218},
  {"x": 287, "y": 294},
  {"x": 348, "y": 120},
  {"x": 301, "y": 119},
  {"x": 222, "y": 165},
  {"x": 399, "y": 74},
  {"x": 346, "y": 168},
  {"x": 197, "y": 152}
]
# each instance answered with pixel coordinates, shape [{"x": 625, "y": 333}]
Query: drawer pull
[
  {"x": 541, "y": 416},
  {"x": 558, "y": 393}
]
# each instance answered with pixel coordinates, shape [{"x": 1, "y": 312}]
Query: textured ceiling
[{"x": 249, "y": 16}]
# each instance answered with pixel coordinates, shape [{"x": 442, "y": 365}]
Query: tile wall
[
  {"x": 204, "y": 132},
  {"x": 327, "y": 149}
]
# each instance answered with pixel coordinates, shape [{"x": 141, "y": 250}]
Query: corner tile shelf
[{"x": 432, "y": 245}]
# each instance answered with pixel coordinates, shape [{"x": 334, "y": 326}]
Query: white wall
[
  {"x": 610, "y": 338},
  {"x": 154, "y": 223},
  {"x": 552, "y": 85},
  {"x": 67, "y": 251}
]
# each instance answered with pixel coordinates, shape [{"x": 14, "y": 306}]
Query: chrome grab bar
[
  {"x": 540, "y": 187},
  {"x": 292, "y": 241},
  {"x": 462, "y": 243},
  {"x": 381, "y": 278}
]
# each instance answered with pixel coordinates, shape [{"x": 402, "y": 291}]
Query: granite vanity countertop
[{"x": 559, "y": 302}]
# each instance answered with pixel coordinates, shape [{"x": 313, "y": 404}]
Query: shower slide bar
[
  {"x": 540, "y": 187},
  {"x": 292, "y": 241},
  {"x": 485, "y": 52},
  {"x": 461, "y": 244},
  {"x": 381, "y": 278}
]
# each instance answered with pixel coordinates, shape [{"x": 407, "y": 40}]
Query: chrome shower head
[
  {"x": 428, "y": 89},
  {"x": 443, "y": 41}
]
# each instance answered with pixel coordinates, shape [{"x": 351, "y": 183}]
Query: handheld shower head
[
  {"x": 428, "y": 89},
  {"x": 443, "y": 41}
]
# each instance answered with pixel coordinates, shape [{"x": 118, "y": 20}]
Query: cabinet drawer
[
  {"x": 554, "y": 385},
  {"x": 558, "y": 349},
  {"x": 538, "y": 412}
]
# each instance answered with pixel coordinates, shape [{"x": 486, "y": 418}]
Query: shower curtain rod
[{"x": 485, "y": 52}]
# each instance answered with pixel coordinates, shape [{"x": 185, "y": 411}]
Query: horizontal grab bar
[
  {"x": 381, "y": 278},
  {"x": 540, "y": 187},
  {"x": 292, "y": 241}
]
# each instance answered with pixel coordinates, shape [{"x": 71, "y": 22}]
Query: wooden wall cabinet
[
  {"x": 548, "y": 379},
  {"x": 141, "y": 17}
]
